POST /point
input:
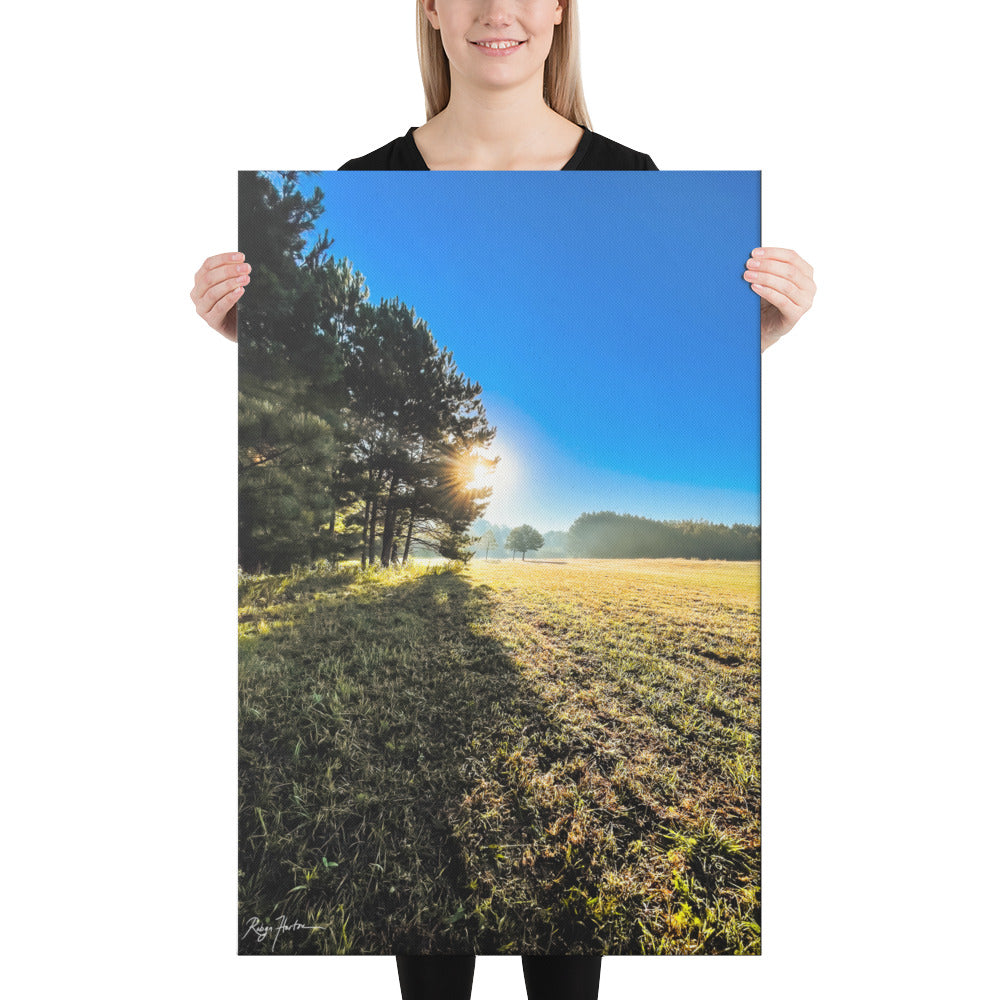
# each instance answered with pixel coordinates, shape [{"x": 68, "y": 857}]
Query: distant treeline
[{"x": 623, "y": 536}]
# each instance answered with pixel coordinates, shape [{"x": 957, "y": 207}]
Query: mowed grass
[{"x": 517, "y": 757}]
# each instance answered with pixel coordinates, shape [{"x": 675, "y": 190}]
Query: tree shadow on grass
[
  {"x": 357, "y": 720},
  {"x": 405, "y": 790}
]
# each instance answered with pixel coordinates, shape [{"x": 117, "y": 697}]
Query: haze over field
[{"x": 538, "y": 483}]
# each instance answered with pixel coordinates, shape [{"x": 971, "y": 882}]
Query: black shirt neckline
[{"x": 571, "y": 164}]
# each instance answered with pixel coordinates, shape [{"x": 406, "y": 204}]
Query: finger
[
  {"x": 224, "y": 272},
  {"x": 789, "y": 289},
  {"x": 205, "y": 296},
  {"x": 779, "y": 300},
  {"x": 202, "y": 278},
  {"x": 207, "y": 302},
  {"x": 233, "y": 257},
  {"x": 204, "y": 282},
  {"x": 217, "y": 313},
  {"x": 805, "y": 285},
  {"x": 762, "y": 265},
  {"x": 781, "y": 254}
]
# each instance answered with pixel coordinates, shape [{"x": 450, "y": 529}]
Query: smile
[{"x": 501, "y": 45}]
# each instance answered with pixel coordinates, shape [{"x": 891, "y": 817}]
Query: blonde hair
[{"x": 563, "y": 87}]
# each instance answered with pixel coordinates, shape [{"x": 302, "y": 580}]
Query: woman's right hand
[{"x": 218, "y": 285}]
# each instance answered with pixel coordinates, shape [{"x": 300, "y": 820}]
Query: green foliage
[
  {"x": 418, "y": 422},
  {"x": 357, "y": 432},
  {"x": 623, "y": 536},
  {"x": 286, "y": 459},
  {"x": 524, "y": 539}
]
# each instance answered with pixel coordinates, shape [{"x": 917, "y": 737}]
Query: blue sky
[{"x": 604, "y": 314}]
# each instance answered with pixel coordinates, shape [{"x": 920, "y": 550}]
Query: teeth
[{"x": 498, "y": 45}]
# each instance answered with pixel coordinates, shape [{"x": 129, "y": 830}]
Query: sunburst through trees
[{"x": 359, "y": 437}]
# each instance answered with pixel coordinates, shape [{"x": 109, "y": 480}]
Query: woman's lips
[{"x": 498, "y": 46}]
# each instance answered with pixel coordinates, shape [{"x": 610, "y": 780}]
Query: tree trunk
[
  {"x": 333, "y": 523},
  {"x": 409, "y": 537},
  {"x": 371, "y": 532},
  {"x": 364, "y": 534},
  {"x": 389, "y": 525}
]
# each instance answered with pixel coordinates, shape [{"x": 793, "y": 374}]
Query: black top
[{"x": 594, "y": 153}]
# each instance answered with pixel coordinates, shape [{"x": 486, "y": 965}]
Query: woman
[{"x": 503, "y": 92}]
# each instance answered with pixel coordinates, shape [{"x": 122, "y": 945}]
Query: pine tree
[
  {"x": 293, "y": 437},
  {"x": 358, "y": 434}
]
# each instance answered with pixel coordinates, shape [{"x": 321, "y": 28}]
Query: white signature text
[{"x": 263, "y": 931}]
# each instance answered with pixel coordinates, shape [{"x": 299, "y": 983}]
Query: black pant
[{"x": 546, "y": 977}]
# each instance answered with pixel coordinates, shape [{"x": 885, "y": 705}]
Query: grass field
[{"x": 517, "y": 757}]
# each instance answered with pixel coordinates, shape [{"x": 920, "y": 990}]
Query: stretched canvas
[{"x": 499, "y": 590}]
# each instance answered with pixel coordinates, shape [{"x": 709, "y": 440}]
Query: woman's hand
[
  {"x": 218, "y": 285},
  {"x": 784, "y": 282}
]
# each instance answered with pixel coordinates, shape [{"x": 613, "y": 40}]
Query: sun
[
  {"x": 502, "y": 477},
  {"x": 483, "y": 475}
]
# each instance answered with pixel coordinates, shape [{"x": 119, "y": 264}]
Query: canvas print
[{"x": 499, "y": 564}]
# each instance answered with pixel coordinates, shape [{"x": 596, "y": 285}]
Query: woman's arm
[
  {"x": 218, "y": 285},
  {"x": 784, "y": 282}
]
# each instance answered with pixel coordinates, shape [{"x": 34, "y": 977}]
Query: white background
[{"x": 126, "y": 124}]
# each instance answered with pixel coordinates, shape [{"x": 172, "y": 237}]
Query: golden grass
[
  {"x": 649, "y": 674},
  {"x": 537, "y": 756}
]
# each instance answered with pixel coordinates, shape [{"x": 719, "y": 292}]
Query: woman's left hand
[{"x": 784, "y": 282}]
